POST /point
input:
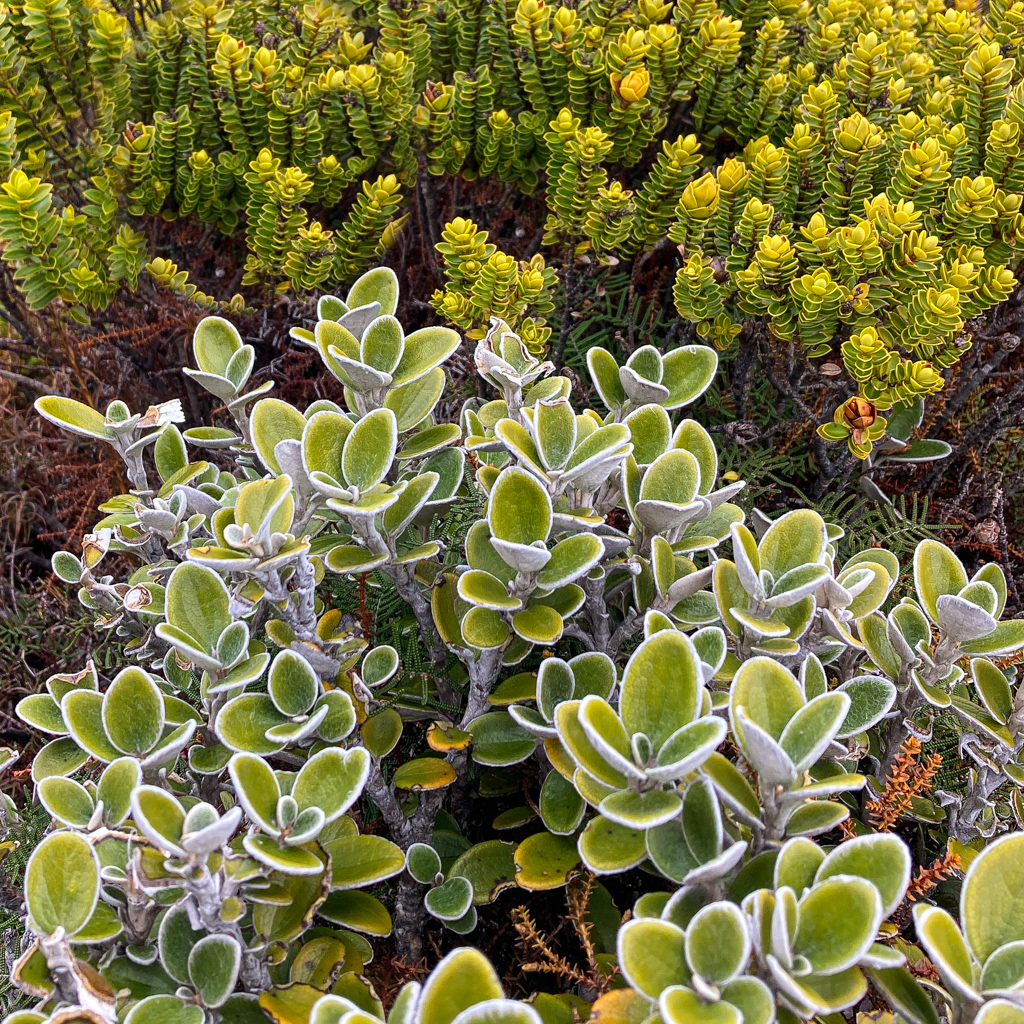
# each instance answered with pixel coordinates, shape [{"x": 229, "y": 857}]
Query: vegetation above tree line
[{"x": 704, "y": 723}]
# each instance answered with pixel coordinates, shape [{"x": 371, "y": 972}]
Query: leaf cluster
[{"x": 716, "y": 696}]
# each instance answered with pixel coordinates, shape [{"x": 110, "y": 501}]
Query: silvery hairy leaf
[
  {"x": 724, "y": 494},
  {"x": 639, "y": 390},
  {"x": 214, "y": 835},
  {"x": 767, "y": 758},
  {"x": 289, "y": 457},
  {"x": 357, "y": 320},
  {"x": 963, "y": 621},
  {"x": 689, "y": 585},
  {"x": 899, "y": 642}
]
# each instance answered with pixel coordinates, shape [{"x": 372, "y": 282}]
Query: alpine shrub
[{"x": 678, "y": 686}]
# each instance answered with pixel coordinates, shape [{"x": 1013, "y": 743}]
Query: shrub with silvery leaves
[{"x": 701, "y": 693}]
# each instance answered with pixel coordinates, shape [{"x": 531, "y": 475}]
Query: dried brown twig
[
  {"x": 927, "y": 878},
  {"x": 909, "y": 778},
  {"x": 924, "y": 881},
  {"x": 544, "y": 959}
]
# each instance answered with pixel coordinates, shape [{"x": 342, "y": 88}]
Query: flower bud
[{"x": 631, "y": 87}]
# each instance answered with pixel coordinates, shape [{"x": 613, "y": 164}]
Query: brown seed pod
[{"x": 859, "y": 415}]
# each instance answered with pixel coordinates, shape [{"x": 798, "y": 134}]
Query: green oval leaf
[
  {"x": 213, "y": 966},
  {"x": 74, "y": 417},
  {"x": 197, "y": 602},
  {"x": 687, "y": 372},
  {"x": 450, "y": 901},
  {"x": 462, "y": 979},
  {"x": 498, "y": 741},
  {"x": 661, "y": 687},
  {"x": 133, "y": 712},
  {"x": 67, "y": 801},
  {"x": 545, "y": 861},
  {"x": 362, "y": 860},
  {"x": 377, "y": 285},
  {"x": 837, "y": 922},
  {"x": 794, "y": 539},
  {"x": 215, "y": 341},
  {"x": 992, "y": 897},
  {"x": 519, "y": 508},
  {"x": 937, "y": 571},
  {"x": 652, "y": 955},
  {"x": 490, "y": 867},
  {"x": 369, "y": 449},
  {"x": 62, "y": 883},
  {"x": 883, "y": 860}
]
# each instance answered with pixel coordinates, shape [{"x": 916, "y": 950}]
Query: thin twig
[{"x": 28, "y": 382}]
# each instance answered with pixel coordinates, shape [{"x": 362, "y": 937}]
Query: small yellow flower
[{"x": 631, "y": 87}]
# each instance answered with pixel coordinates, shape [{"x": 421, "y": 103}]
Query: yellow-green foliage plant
[
  {"x": 846, "y": 173},
  {"x": 665, "y": 686}
]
